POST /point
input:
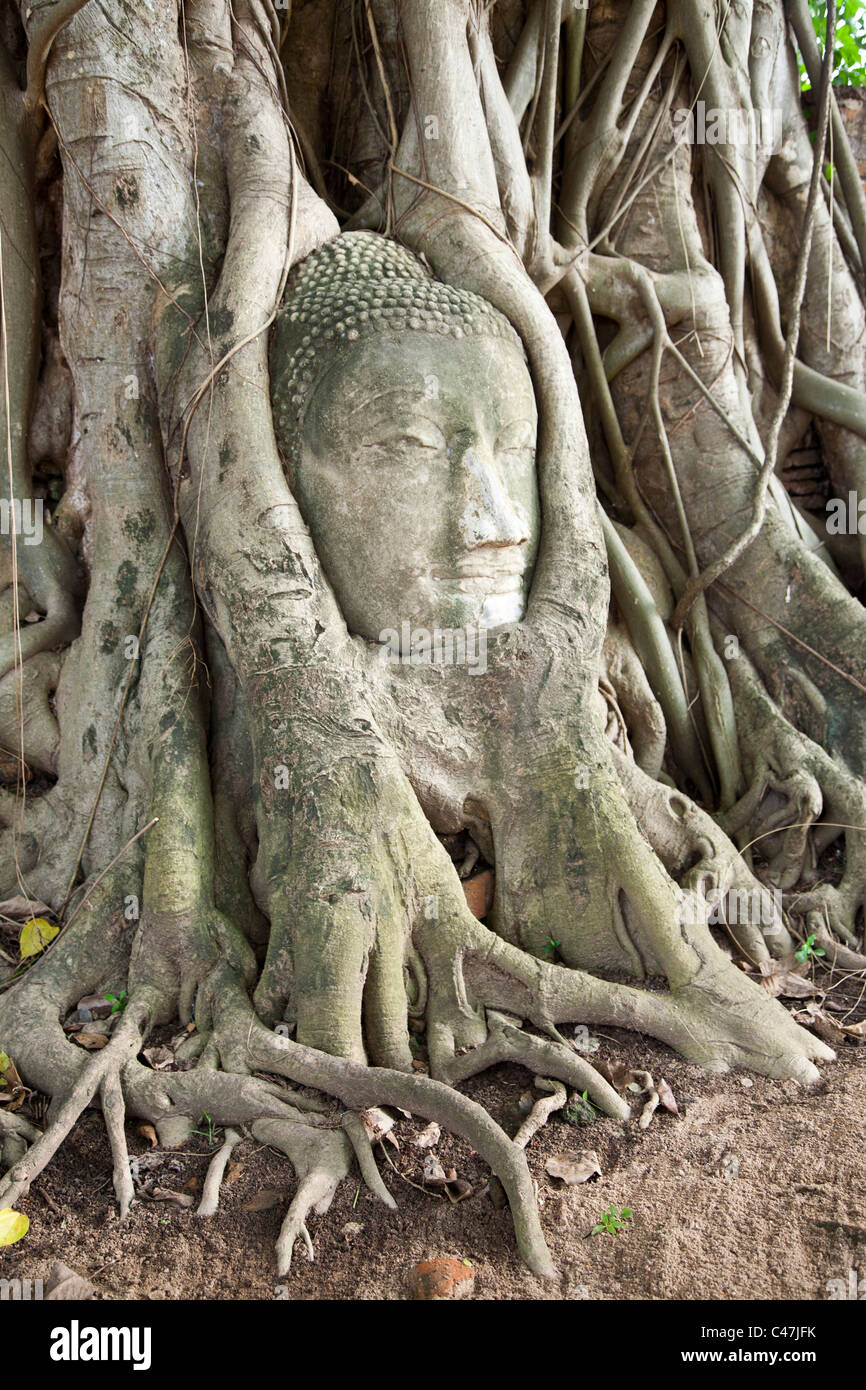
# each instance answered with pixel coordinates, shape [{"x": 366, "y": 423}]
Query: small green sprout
[
  {"x": 207, "y": 1133},
  {"x": 610, "y": 1223},
  {"x": 118, "y": 1002},
  {"x": 808, "y": 950}
]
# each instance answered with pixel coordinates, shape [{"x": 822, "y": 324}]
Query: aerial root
[
  {"x": 210, "y": 1196},
  {"x": 360, "y": 1141},
  {"x": 114, "y": 1113},
  {"x": 541, "y": 1110}
]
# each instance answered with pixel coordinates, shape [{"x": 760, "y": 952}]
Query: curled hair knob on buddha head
[{"x": 358, "y": 286}]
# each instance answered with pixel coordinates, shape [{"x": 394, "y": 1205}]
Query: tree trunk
[{"x": 244, "y": 796}]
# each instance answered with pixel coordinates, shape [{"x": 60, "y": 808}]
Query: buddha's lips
[{"x": 493, "y": 563}]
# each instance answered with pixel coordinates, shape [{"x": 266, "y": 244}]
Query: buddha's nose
[{"x": 490, "y": 516}]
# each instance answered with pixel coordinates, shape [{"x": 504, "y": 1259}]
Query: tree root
[
  {"x": 93, "y": 1077},
  {"x": 114, "y": 1113},
  {"x": 541, "y": 1110},
  {"x": 793, "y": 782},
  {"x": 16, "y": 1133},
  {"x": 210, "y": 1196},
  {"x": 321, "y": 1159},
  {"x": 360, "y": 1141},
  {"x": 509, "y": 1044}
]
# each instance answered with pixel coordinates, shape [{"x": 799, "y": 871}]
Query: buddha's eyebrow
[{"x": 408, "y": 392}]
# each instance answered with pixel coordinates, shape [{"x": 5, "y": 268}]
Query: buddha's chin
[
  {"x": 485, "y": 608},
  {"x": 500, "y": 609}
]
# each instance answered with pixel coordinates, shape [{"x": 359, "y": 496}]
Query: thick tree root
[
  {"x": 509, "y": 1044},
  {"x": 321, "y": 1159},
  {"x": 94, "y": 1076}
]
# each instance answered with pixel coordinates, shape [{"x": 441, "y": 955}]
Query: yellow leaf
[
  {"x": 35, "y": 936},
  {"x": 13, "y": 1226}
]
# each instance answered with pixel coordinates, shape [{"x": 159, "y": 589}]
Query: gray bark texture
[{"x": 234, "y": 805}]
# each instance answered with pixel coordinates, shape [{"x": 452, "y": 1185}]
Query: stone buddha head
[{"x": 406, "y": 415}]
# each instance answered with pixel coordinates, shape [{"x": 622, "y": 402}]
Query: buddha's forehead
[{"x": 473, "y": 376}]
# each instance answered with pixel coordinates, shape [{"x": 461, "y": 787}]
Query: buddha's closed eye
[
  {"x": 420, "y": 435},
  {"x": 518, "y": 437}
]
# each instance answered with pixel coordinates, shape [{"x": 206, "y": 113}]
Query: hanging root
[
  {"x": 360, "y": 1141},
  {"x": 210, "y": 1196},
  {"x": 114, "y": 1111}
]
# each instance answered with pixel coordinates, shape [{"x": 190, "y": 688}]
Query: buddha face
[{"x": 416, "y": 477}]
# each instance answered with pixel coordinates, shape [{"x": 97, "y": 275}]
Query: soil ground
[{"x": 755, "y": 1191}]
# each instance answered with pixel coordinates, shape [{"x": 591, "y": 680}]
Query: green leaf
[{"x": 13, "y": 1226}]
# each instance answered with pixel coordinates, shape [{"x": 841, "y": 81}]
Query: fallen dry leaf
[
  {"x": 429, "y": 1137},
  {"x": 777, "y": 978},
  {"x": 574, "y": 1167},
  {"x": 618, "y": 1075},
  {"x": 160, "y": 1058},
  {"x": 13, "y": 1092},
  {"x": 167, "y": 1194},
  {"x": 19, "y": 909},
  {"x": 814, "y": 1017},
  {"x": 458, "y": 1189},
  {"x": 263, "y": 1201},
  {"x": 35, "y": 936},
  {"x": 666, "y": 1097},
  {"x": 376, "y": 1123},
  {"x": 97, "y": 1005},
  {"x": 13, "y": 1226},
  {"x": 434, "y": 1173}
]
